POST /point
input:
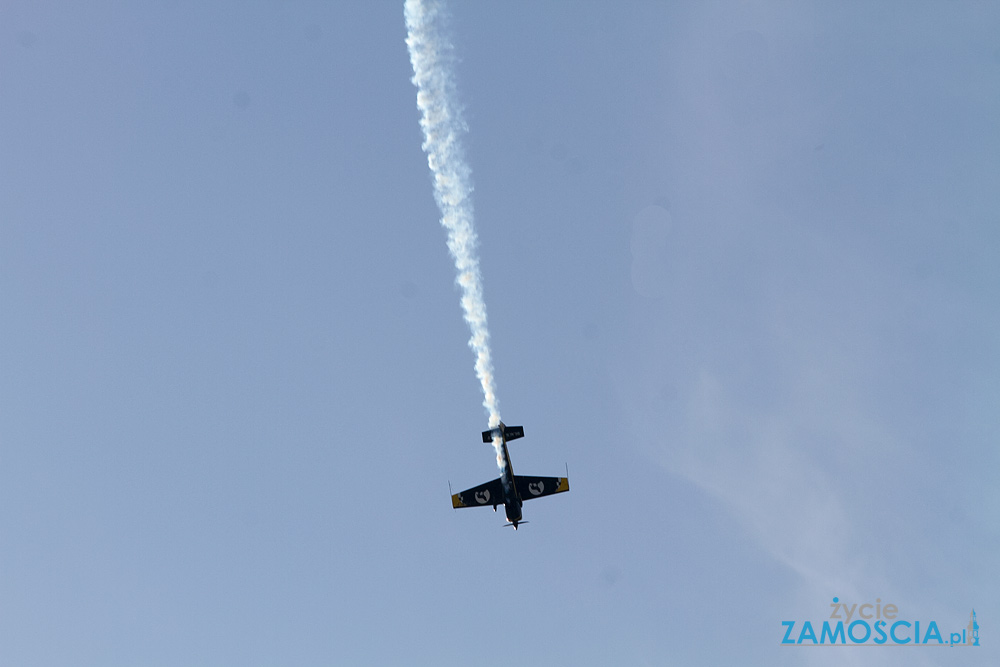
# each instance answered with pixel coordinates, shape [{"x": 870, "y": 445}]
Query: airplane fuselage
[{"x": 511, "y": 498}]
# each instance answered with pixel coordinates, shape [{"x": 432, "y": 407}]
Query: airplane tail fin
[{"x": 509, "y": 432}]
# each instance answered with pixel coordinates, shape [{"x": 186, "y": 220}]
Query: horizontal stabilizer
[
  {"x": 513, "y": 432},
  {"x": 509, "y": 433}
]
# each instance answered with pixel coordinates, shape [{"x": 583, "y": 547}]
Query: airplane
[{"x": 509, "y": 489}]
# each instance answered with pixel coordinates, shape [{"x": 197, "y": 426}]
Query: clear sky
[{"x": 741, "y": 266}]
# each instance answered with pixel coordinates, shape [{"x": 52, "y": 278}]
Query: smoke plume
[{"x": 432, "y": 56}]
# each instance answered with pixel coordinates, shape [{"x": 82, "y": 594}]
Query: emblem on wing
[
  {"x": 483, "y": 497},
  {"x": 536, "y": 488}
]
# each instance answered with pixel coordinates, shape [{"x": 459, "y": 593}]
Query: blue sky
[{"x": 740, "y": 267}]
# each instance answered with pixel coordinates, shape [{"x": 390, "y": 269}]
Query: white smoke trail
[{"x": 431, "y": 54}]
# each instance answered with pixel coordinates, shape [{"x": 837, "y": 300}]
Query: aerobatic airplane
[{"x": 509, "y": 489}]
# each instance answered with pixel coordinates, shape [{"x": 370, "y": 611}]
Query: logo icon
[
  {"x": 972, "y": 637},
  {"x": 536, "y": 488},
  {"x": 483, "y": 497}
]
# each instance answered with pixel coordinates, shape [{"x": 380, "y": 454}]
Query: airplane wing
[
  {"x": 536, "y": 487},
  {"x": 490, "y": 493}
]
